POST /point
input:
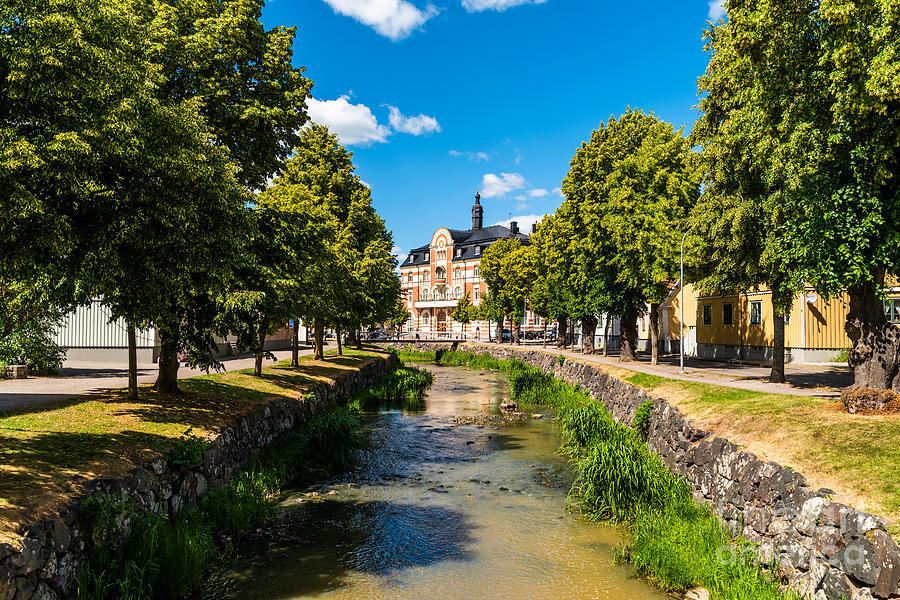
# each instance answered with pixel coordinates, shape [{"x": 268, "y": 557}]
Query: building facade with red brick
[{"x": 437, "y": 275}]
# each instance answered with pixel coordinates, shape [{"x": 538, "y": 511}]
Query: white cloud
[
  {"x": 399, "y": 253},
  {"x": 538, "y": 193},
  {"x": 413, "y": 125},
  {"x": 557, "y": 191},
  {"x": 716, "y": 10},
  {"x": 499, "y": 5},
  {"x": 394, "y": 19},
  {"x": 365, "y": 184},
  {"x": 521, "y": 198},
  {"x": 493, "y": 185},
  {"x": 354, "y": 124},
  {"x": 473, "y": 156},
  {"x": 524, "y": 221}
]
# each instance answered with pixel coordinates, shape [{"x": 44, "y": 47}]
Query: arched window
[
  {"x": 425, "y": 318},
  {"x": 440, "y": 274},
  {"x": 425, "y": 294},
  {"x": 457, "y": 273},
  {"x": 457, "y": 293},
  {"x": 476, "y": 272},
  {"x": 425, "y": 277}
]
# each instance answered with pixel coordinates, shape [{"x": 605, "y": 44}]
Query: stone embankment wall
[
  {"x": 824, "y": 549},
  {"x": 44, "y": 565}
]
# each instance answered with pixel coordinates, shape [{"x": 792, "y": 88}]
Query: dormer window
[
  {"x": 427, "y": 254},
  {"x": 459, "y": 252},
  {"x": 477, "y": 249},
  {"x": 412, "y": 258}
]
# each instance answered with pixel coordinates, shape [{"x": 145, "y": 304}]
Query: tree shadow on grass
[{"x": 43, "y": 470}]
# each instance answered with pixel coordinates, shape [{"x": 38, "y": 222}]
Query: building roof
[{"x": 466, "y": 240}]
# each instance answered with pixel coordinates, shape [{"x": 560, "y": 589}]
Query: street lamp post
[{"x": 681, "y": 283}]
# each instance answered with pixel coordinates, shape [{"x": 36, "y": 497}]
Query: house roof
[{"x": 466, "y": 240}]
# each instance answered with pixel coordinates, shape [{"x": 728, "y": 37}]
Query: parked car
[{"x": 379, "y": 335}]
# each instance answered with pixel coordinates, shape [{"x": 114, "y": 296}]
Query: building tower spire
[{"x": 477, "y": 212}]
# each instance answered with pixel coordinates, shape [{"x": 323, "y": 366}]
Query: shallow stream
[{"x": 442, "y": 505}]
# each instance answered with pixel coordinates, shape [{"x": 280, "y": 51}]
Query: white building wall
[{"x": 90, "y": 327}]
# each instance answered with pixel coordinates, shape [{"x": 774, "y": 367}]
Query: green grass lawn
[
  {"x": 48, "y": 453},
  {"x": 857, "y": 456}
]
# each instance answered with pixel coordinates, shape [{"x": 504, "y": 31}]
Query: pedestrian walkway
[
  {"x": 79, "y": 378},
  {"x": 823, "y": 381}
]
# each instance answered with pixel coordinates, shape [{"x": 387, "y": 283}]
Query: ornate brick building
[{"x": 435, "y": 276}]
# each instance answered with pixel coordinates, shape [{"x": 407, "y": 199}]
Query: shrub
[
  {"x": 32, "y": 344},
  {"x": 187, "y": 451},
  {"x": 641, "y": 422}
]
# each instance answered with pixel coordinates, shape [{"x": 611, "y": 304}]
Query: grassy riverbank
[
  {"x": 856, "y": 455},
  {"x": 165, "y": 558},
  {"x": 48, "y": 452},
  {"x": 675, "y": 543}
]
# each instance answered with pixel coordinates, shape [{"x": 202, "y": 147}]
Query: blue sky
[{"x": 438, "y": 98}]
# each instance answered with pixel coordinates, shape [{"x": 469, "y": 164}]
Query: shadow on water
[{"x": 373, "y": 537}]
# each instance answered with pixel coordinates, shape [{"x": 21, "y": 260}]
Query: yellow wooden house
[{"x": 741, "y": 326}]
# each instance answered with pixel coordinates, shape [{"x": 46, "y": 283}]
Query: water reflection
[{"x": 437, "y": 510}]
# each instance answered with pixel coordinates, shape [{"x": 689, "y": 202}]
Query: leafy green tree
[
  {"x": 820, "y": 104},
  {"x": 280, "y": 247},
  {"x": 119, "y": 121},
  {"x": 465, "y": 312},
  {"x": 400, "y": 315},
  {"x": 353, "y": 281},
  {"x": 739, "y": 238},
  {"x": 507, "y": 274},
  {"x": 28, "y": 321},
  {"x": 628, "y": 192},
  {"x": 218, "y": 55},
  {"x": 548, "y": 290}
]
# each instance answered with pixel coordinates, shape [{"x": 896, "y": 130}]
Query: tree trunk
[
  {"x": 167, "y": 379},
  {"x": 654, "y": 333},
  {"x": 359, "y": 343},
  {"x": 132, "y": 363},
  {"x": 588, "y": 329},
  {"x": 544, "y": 336},
  {"x": 516, "y": 330},
  {"x": 562, "y": 328},
  {"x": 295, "y": 343},
  {"x": 777, "y": 374},
  {"x": 337, "y": 334},
  {"x": 606, "y": 336},
  {"x": 629, "y": 336},
  {"x": 261, "y": 345},
  {"x": 875, "y": 354},
  {"x": 319, "y": 339}
]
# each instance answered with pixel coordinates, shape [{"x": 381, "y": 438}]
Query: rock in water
[{"x": 508, "y": 405}]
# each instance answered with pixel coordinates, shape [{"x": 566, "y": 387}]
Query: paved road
[
  {"x": 824, "y": 381},
  {"x": 79, "y": 378}
]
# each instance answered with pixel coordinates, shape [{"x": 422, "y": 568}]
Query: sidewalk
[
  {"x": 80, "y": 378},
  {"x": 823, "y": 381}
]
